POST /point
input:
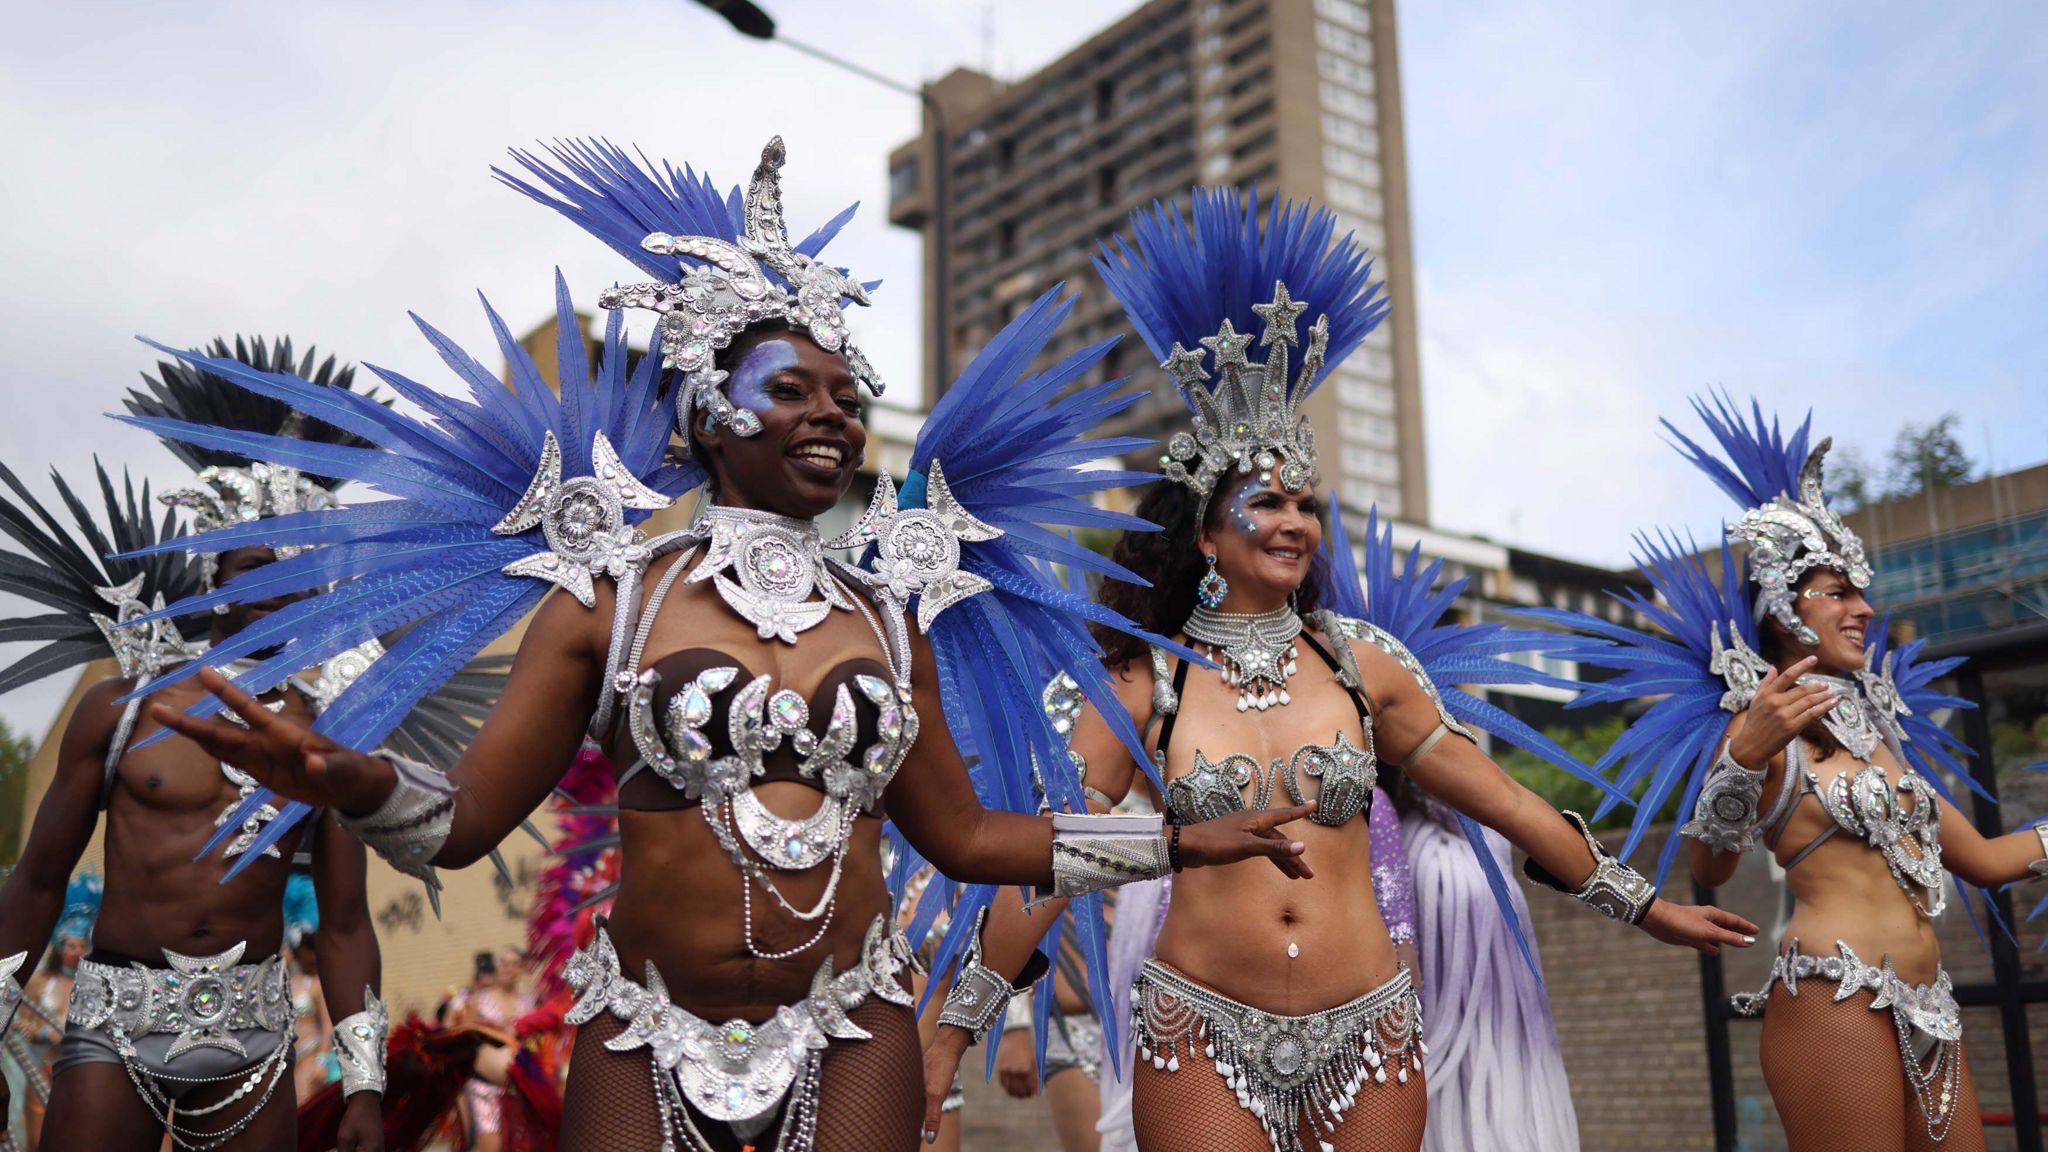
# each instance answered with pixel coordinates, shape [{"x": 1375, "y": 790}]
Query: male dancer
[{"x": 181, "y": 1017}]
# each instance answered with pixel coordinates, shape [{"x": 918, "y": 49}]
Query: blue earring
[{"x": 1213, "y": 588}]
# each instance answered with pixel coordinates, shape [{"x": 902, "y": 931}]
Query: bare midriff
[
  {"x": 1286, "y": 946},
  {"x": 1843, "y": 890}
]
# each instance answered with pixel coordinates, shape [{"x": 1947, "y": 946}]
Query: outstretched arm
[
  {"x": 517, "y": 756},
  {"x": 1986, "y": 862},
  {"x": 1458, "y": 773},
  {"x": 934, "y": 802},
  {"x": 350, "y": 965}
]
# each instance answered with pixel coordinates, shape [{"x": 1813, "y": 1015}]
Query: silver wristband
[
  {"x": 1724, "y": 817},
  {"x": 1092, "y": 852},
  {"x": 979, "y": 993},
  {"x": 2038, "y": 867},
  {"x": 10, "y": 991},
  {"x": 1614, "y": 890},
  {"x": 1017, "y": 1017},
  {"x": 409, "y": 828},
  {"x": 359, "y": 1046}
]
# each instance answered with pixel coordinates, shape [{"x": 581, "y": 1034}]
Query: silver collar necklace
[
  {"x": 785, "y": 585},
  {"x": 1256, "y": 653}
]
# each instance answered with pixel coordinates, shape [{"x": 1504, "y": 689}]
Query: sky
[{"x": 1831, "y": 206}]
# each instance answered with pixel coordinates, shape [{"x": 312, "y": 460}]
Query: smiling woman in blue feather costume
[
  {"x": 1278, "y": 1013},
  {"x": 1831, "y": 761},
  {"x": 767, "y": 705}
]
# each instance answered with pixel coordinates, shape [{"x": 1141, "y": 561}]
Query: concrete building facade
[{"x": 1300, "y": 97}]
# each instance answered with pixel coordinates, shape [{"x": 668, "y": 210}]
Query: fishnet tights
[
  {"x": 1193, "y": 1110},
  {"x": 870, "y": 1092},
  {"x": 1834, "y": 1073}
]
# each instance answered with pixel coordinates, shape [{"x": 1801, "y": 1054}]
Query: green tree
[
  {"x": 15, "y": 752},
  {"x": 1852, "y": 483},
  {"x": 1560, "y": 789},
  {"x": 1925, "y": 457}
]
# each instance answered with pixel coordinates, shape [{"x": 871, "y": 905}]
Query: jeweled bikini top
[
  {"x": 1901, "y": 821},
  {"x": 1215, "y": 788}
]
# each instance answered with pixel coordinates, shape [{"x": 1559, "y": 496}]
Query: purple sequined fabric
[{"x": 1393, "y": 885}]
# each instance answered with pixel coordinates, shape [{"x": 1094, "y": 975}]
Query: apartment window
[
  {"x": 1006, "y": 239},
  {"x": 903, "y": 179},
  {"x": 1351, "y": 134},
  {"x": 1212, "y": 72},
  {"x": 1344, "y": 71},
  {"x": 1345, "y": 13},
  {"x": 1339, "y": 39},
  {"x": 1106, "y": 184},
  {"x": 1212, "y": 43},
  {"x": 1105, "y": 99},
  {"x": 1006, "y": 151},
  {"x": 1360, "y": 495},
  {"x": 1344, "y": 101},
  {"x": 1375, "y": 396},
  {"x": 1366, "y": 428},
  {"x": 1214, "y": 134},
  {"x": 1352, "y": 195},
  {"x": 1344, "y": 162},
  {"x": 1215, "y": 166},
  {"x": 1212, "y": 11}
]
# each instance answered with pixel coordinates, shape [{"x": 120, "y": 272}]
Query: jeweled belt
[
  {"x": 736, "y": 1071},
  {"x": 1929, "y": 1007},
  {"x": 204, "y": 999},
  {"x": 1283, "y": 1068}
]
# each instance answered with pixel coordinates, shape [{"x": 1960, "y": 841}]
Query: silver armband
[
  {"x": 1724, "y": 818},
  {"x": 1615, "y": 890},
  {"x": 1017, "y": 1017},
  {"x": 359, "y": 1046},
  {"x": 408, "y": 829},
  {"x": 979, "y": 993},
  {"x": 1092, "y": 852},
  {"x": 10, "y": 989},
  {"x": 2038, "y": 867}
]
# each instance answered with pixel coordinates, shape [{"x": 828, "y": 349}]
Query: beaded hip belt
[
  {"x": 1283, "y": 1068},
  {"x": 738, "y": 1072},
  {"x": 204, "y": 999}
]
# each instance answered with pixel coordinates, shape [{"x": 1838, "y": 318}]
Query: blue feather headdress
[
  {"x": 1231, "y": 279},
  {"x": 1786, "y": 522},
  {"x": 722, "y": 264},
  {"x": 434, "y": 559},
  {"x": 1399, "y": 609}
]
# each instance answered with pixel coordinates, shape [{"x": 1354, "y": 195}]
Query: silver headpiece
[
  {"x": 229, "y": 495},
  {"x": 1251, "y": 421},
  {"x": 1792, "y": 535},
  {"x": 730, "y": 291}
]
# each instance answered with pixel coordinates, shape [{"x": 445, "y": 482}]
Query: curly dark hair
[
  {"x": 1774, "y": 643},
  {"x": 1173, "y": 564}
]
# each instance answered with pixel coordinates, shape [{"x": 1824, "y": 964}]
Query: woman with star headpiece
[
  {"x": 1784, "y": 720},
  {"x": 1280, "y": 1014},
  {"x": 766, "y": 704}
]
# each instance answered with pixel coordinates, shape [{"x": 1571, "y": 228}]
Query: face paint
[
  {"x": 748, "y": 387},
  {"x": 1240, "y": 512}
]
